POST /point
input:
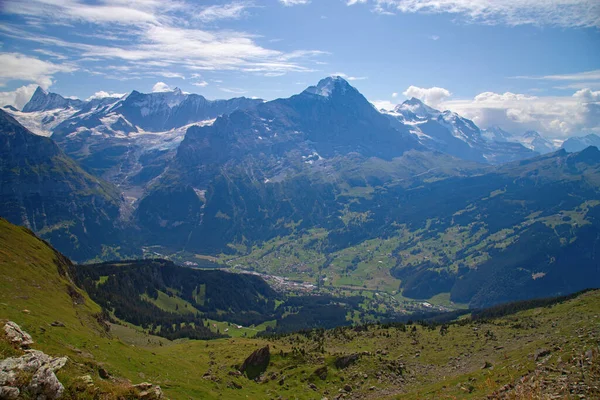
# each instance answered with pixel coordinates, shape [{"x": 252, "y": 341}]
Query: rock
[
  {"x": 103, "y": 373},
  {"x": 256, "y": 363},
  {"x": 312, "y": 386},
  {"x": 539, "y": 353},
  {"x": 345, "y": 361},
  {"x": 45, "y": 385},
  {"x": 234, "y": 385},
  {"x": 16, "y": 335},
  {"x": 348, "y": 388},
  {"x": 9, "y": 393},
  {"x": 487, "y": 365},
  {"x": 143, "y": 386},
  {"x": 152, "y": 394},
  {"x": 321, "y": 372},
  {"x": 235, "y": 373},
  {"x": 86, "y": 379},
  {"x": 147, "y": 391},
  {"x": 58, "y": 324}
]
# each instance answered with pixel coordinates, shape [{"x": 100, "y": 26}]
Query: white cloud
[
  {"x": 383, "y": 104},
  {"x": 16, "y": 66},
  {"x": 224, "y": 11},
  {"x": 161, "y": 87},
  {"x": 434, "y": 37},
  {"x": 102, "y": 94},
  {"x": 200, "y": 83},
  {"x": 554, "y": 116},
  {"x": 288, "y": 3},
  {"x": 172, "y": 33},
  {"x": 577, "y": 76},
  {"x": 563, "y": 13},
  {"x": 170, "y": 74},
  {"x": 588, "y": 95},
  {"x": 394, "y": 95},
  {"x": 431, "y": 96},
  {"x": 19, "y": 97},
  {"x": 232, "y": 90},
  {"x": 349, "y": 78}
]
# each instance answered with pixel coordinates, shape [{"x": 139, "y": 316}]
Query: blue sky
[{"x": 522, "y": 64}]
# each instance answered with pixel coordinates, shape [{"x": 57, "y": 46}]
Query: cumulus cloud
[
  {"x": 431, "y": 96},
  {"x": 17, "y": 66},
  {"x": 555, "y": 116},
  {"x": 588, "y": 95},
  {"x": 563, "y": 13},
  {"x": 18, "y": 97},
  {"x": 102, "y": 94},
  {"x": 161, "y": 87},
  {"x": 383, "y": 105}
]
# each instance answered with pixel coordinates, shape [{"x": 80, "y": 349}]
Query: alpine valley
[
  {"x": 247, "y": 248},
  {"x": 319, "y": 188}
]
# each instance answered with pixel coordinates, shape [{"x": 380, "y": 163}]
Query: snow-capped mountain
[
  {"x": 536, "y": 142},
  {"x": 44, "y": 101},
  {"x": 497, "y": 134},
  {"x": 530, "y": 139},
  {"x": 128, "y": 140},
  {"x": 450, "y": 133},
  {"x": 578, "y": 143}
]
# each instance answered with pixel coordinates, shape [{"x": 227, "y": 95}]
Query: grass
[
  {"x": 435, "y": 366},
  {"x": 171, "y": 303}
]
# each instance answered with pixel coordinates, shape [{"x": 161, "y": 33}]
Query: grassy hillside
[{"x": 529, "y": 354}]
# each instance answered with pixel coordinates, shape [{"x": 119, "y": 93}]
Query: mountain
[
  {"x": 130, "y": 140},
  {"x": 110, "y": 358},
  {"x": 578, "y": 143},
  {"x": 536, "y": 142},
  {"x": 48, "y": 192},
  {"x": 163, "y": 111},
  {"x": 452, "y": 134},
  {"x": 503, "y": 233},
  {"x": 282, "y": 160},
  {"x": 44, "y": 101},
  {"x": 497, "y": 134}
]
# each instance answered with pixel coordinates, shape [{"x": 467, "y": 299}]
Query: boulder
[
  {"x": 16, "y": 335},
  {"x": 256, "y": 363},
  {"x": 345, "y": 361},
  {"x": 9, "y": 393},
  {"x": 321, "y": 373},
  {"x": 147, "y": 391},
  {"x": 540, "y": 353},
  {"x": 43, "y": 383}
]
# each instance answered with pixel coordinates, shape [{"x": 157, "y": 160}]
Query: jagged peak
[
  {"x": 330, "y": 85},
  {"x": 417, "y": 107},
  {"x": 531, "y": 134},
  {"x": 39, "y": 92}
]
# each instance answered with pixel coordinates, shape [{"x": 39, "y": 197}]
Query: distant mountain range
[
  {"x": 319, "y": 186},
  {"x": 579, "y": 143}
]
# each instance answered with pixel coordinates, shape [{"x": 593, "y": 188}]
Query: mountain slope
[
  {"x": 509, "y": 232},
  {"x": 452, "y": 134},
  {"x": 505, "y": 352},
  {"x": 579, "y": 143},
  {"x": 43, "y": 101},
  {"x": 253, "y": 172},
  {"x": 48, "y": 192}
]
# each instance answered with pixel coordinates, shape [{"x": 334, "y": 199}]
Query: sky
[{"x": 518, "y": 64}]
